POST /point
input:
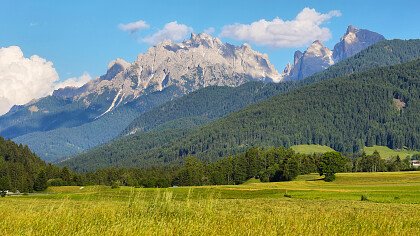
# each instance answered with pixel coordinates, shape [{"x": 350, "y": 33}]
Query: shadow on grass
[{"x": 319, "y": 179}]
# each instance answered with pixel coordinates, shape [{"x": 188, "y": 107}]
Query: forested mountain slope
[
  {"x": 380, "y": 106},
  {"x": 55, "y": 144},
  {"x": 19, "y": 167}
]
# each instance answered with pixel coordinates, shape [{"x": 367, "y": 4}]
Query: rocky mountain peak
[
  {"x": 115, "y": 67},
  {"x": 352, "y": 29},
  {"x": 317, "y": 49},
  {"x": 120, "y": 63},
  {"x": 354, "y": 41},
  {"x": 202, "y": 39},
  {"x": 200, "y": 61},
  {"x": 318, "y": 57}
]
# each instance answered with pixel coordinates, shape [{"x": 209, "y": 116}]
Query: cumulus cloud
[
  {"x": 75, "y": 82},
  {"x": 278, "y": 33},
  {"x": 171, "y": 31},
  {"x": 24, "y": 79},
  {"x": 133, "y": 27}
]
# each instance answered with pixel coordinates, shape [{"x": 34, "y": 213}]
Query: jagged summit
[
  {"x": 200, "y": 61},
  {"x": 317, "y": 49},
  {"x": 119, "y": 62},
  {"x": 353, "y": 41},
  {"x": 351, "y": 28},
  {"x": 317, "y": 57}
]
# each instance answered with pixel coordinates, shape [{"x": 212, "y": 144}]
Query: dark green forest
[
  {"x": 377, "y": 107},
  {"x": 19, "y": 167},
  {"x": 23, "y": 171},
  {"x": 265, "y": 164}
]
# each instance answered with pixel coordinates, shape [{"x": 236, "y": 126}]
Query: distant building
[{"x": 415, "y": 163}]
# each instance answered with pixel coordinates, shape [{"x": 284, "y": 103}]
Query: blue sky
[{"x": 83, "y": 36}]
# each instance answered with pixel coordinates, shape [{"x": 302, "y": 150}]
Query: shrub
[
  {"x": 115, "y": 184},
  {"x": 329, "y": 177},
  {"x": 364, "y": 198}
]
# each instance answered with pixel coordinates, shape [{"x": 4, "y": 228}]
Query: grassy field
[
  {"x": 306, "y": 206},
  {"x": 310, "y": 149},
  {"x": 386, "y": 152}
]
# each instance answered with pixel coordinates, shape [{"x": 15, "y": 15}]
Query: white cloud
[
  {"x": 209, "y": 30},
  {"x": 171, "y": 31},
  {"x": 24, "y": 79},
  {"x": 302, "y": 30},
  {"x": 133, "y": 27},
  {"x": 76, "y": 82}
]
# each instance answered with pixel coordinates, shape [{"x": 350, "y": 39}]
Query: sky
[{"x": 75, "y": 40}]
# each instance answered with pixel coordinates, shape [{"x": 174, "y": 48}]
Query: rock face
[
  {"x": 354, "y": 41},
  {"x": 318, "y": 57},
  {"x": 195, "y": 63},
  {"x": 168, "y": 69}
]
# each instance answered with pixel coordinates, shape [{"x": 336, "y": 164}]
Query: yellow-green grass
[
  {"x": 386, "y": 152},
  {"x": 311, "y": 148},
  {"x": 313, "y": 207}
]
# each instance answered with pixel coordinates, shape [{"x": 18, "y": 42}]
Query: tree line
[
  {"x": 21, "y": 170},
  {"x": 265, "y": 164}
]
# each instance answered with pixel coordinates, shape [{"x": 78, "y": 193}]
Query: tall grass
[{"x": 207, "y": 211}]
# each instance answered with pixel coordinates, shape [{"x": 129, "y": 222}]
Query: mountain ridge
[
  {"x": 317, "y": 57},
  {"x": 166, "y": 71},
  {"x": 378, "y": 53}
]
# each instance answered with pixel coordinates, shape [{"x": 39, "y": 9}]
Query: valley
[{"x": 209, "y": 118}]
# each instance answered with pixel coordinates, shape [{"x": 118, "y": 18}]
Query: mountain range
[
  {"x": 73, "y": 120},
  {"x": 318, "y": 57},
  {"x": 55, "y": 126},
  {"x": 355, "y": 107}
]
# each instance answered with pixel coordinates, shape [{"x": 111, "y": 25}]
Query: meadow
[
  {"x": 311, "y": 148},
  {"x": 305, "y": 206},
  {"x": 387, "y": 152},
  {"x": 384, "y": 152}
]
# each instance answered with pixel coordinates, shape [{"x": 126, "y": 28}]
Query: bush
[
  {"x": 115, "y": 184},
  {"x": 329, "y": 177}
]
